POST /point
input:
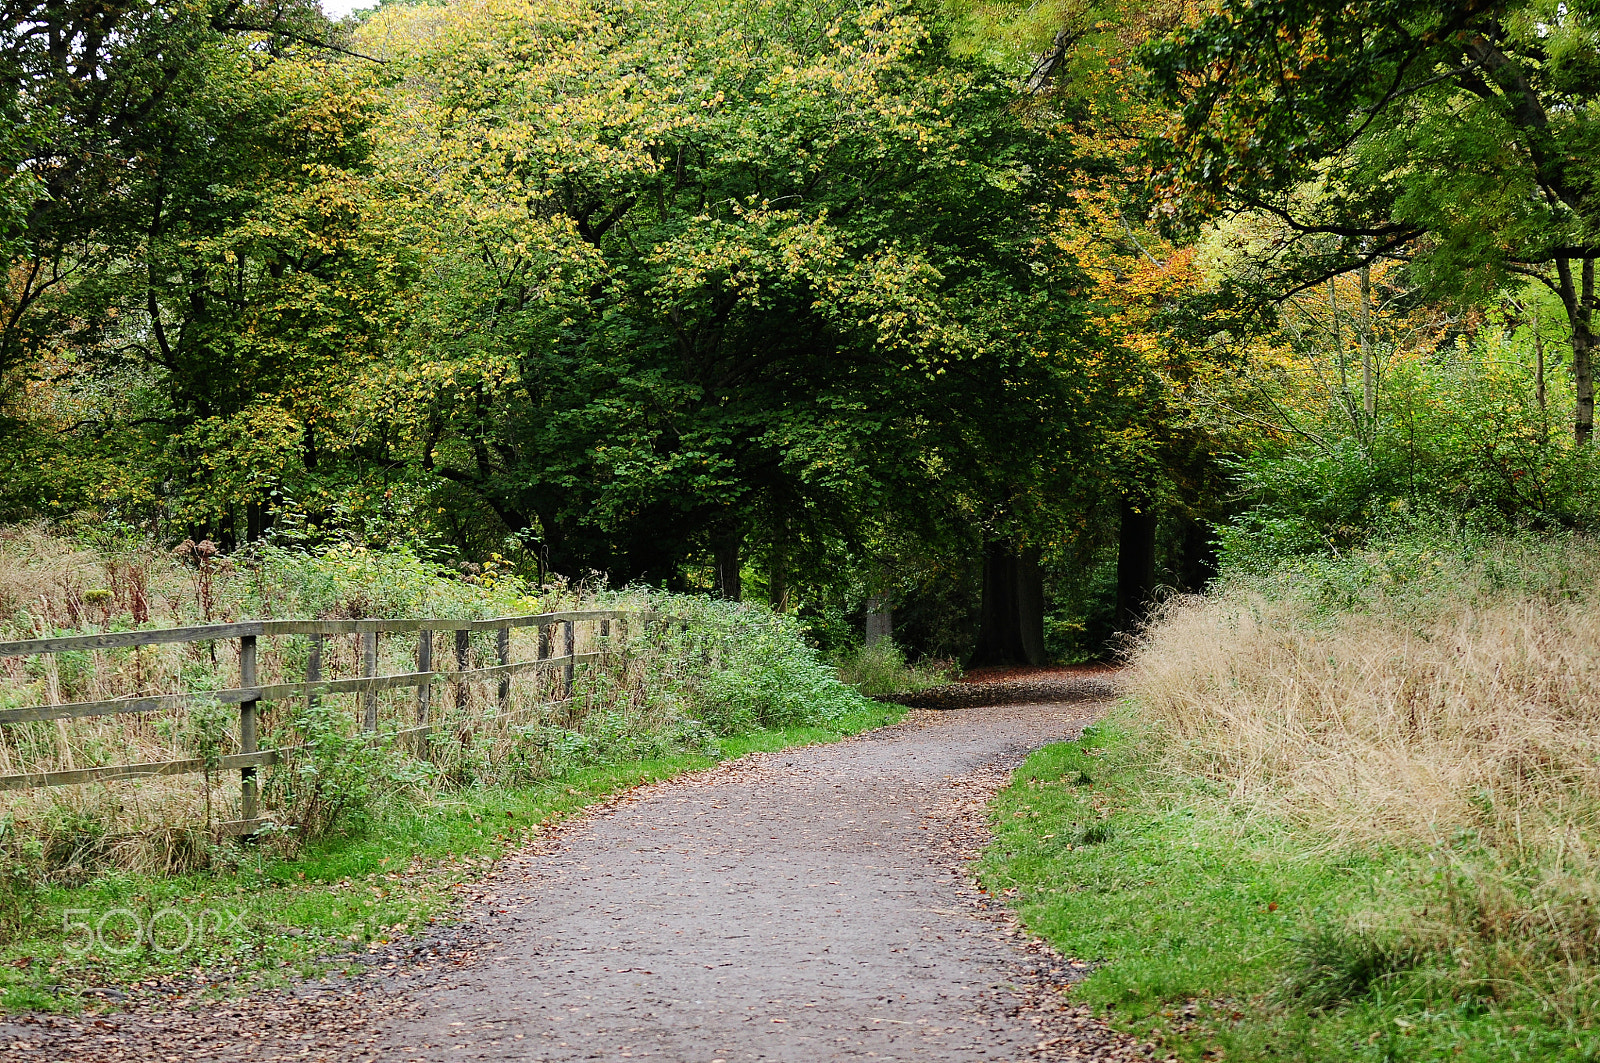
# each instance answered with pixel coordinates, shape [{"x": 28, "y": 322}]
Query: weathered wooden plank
[
  {"x": 541, "y": 619},
  {"x": 463, "y": 655},
  {"x": 247, "y": 727},
  {"x": 401, "y": 625},
  {"x": 360, "y": 627},
  {"x": 110, "y": 640},
  {"x": 369, "y": 669},
  {"x": 154, "y": 703},
  {"x": 570, "y": 645},
  {"x": 79, "y": 776},
  {"x": 363, "y": 685},
  {"x": 233, "y": 696},
  {"x": 272, "y": 692}
]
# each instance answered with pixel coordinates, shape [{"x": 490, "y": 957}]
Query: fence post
[
  {"x": 369, "y": 667},
  {"x": 462, "y": 655},
  {"x": 502, "y": 648},
  {"x": 247, "y": 729},
  {"x": 544, "y": 655},
  {"x": 569, "y": 643},
  {"x": 424, "y": 688},
  {"x": 313, "y": 669}
]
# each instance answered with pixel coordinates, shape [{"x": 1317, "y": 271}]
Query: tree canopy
[
  {"x": 1003, "y": 314},
  {"x": 1459, "y": 138}
]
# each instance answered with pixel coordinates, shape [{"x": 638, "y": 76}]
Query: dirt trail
[{"x": 809, "y": 905}]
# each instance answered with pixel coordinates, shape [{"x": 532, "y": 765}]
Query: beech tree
[{"x": 707, "y": 272}]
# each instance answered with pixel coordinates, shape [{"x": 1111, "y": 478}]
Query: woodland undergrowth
[{"x": 674, "y": 689}]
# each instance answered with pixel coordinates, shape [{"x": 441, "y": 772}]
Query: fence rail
[{"x": 250, "y": 693}]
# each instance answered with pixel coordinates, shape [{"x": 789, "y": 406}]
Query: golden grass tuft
[{"x": 1408, "y": 715}]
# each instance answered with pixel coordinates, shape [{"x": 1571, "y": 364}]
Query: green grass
[
  {"x": 278, "y": 919},
  {"x": 1220, "y": 938}
]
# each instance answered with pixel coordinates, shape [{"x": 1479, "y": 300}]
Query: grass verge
[
  {"x": 1218, "y": 937},
  {"x": 262, "y": 921}
]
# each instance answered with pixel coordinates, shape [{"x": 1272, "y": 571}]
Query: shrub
[
  {"x": 1458, "y": 436},
  {"x": 881, "y": 669},
  {"x": 741, "y": 666},
  {"x": 20, "y": 867}
]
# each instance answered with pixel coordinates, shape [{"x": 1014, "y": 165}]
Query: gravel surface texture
[{"x": 808, "y": 905}]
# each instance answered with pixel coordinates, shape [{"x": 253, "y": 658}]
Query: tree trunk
[
  {"x": 778, "y": 585},
  {"x": 880, "y": 620},
  {"x": 1579, "y": 303},
  {"x": 728, "y": 562},
  {"x": 1030, "y": 606},
  {"x": 1011, "y": 627},
  {"x": 1369, "y": 377},
  {"x": 1136, "y": 563},
  {"x": 1583, "y": 344},
  {"x": 1538, "y": 388},
  {"x": 778, "y": 566},
  {"x": 1338, "y": 349},
  {"x": 1196, "y": 563},
  {"x": 257, "y": 519}
]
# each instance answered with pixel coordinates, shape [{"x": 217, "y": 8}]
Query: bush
[
  {"x": 20, "y": 894},
  {"x": 1458, "y": 436},
  {"x": 881, "y": 669},
  {"x": 741, "y": 666}
]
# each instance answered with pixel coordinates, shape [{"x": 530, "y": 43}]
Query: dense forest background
[{"x": 1009, "y": 316}]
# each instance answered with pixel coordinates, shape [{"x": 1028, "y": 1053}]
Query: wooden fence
[{"x": 249, "y": 694}]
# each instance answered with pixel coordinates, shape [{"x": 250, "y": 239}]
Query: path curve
[{"x": 803, "y": 906}]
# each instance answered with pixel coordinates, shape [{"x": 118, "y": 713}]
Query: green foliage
[
  {"x": 741, "y": 667},
  {"x": 1458, "y": 137},
  {"x": 744, "y": 296},
  {"x": 1457, "y": 437},
  {"x": 345, "y": 580},
  {"x": 199, "y": 281},
  {"x": 1336, "y": 963},
  {"x": 20, "y": 882},
  {"x": 330, "y": 782},
  {"x": 881, "y": 668}
]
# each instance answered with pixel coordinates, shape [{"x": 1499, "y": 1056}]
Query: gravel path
[
  {"x": 809, "y": 905},
  {"x": 988, "y": 687}
]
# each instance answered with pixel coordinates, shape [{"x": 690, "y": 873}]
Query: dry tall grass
[
  {"x": 1393, "y": 699},
  {"x": 1435, "y": 699}
]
